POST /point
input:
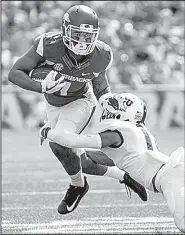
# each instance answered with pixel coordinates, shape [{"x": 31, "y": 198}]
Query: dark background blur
[{"x": 146, "y": 37}]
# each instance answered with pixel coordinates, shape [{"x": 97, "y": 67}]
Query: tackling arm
[{"x": 73, "y": 140}]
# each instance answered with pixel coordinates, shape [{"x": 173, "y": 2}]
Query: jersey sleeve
[
  {"x": 49, "y": 45},
  {"x": 100, "y": 81},
  {"x": 109, "y": 57},
  {"x": 38, "y": 44},
  {"x": 104, "y": 56}
]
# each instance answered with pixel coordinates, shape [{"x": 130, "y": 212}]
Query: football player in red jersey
[{"x": 82, "y": 61}]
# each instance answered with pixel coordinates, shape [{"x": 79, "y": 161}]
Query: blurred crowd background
[{"x": 146, "y": 37}]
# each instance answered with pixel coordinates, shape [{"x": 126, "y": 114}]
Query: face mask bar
[{"x": 80, "y": 48}]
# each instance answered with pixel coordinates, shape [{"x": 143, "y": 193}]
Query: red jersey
[{"x": 77, "y": 76}]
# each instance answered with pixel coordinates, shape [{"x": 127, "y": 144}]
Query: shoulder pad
[
  {"x": 51, "y": 37},
  {"x": 47, "y": 43},
  {"x": 102, "y": 45}
]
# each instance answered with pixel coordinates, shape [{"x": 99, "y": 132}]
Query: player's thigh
[
  {"x": 52, "y": 114},
  {"x": 76, "y": 115},
  {"x": 173, "y": 190}
]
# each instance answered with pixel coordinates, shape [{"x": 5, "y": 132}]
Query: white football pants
[
  {"x": 74, "y": 116},
  {"x": 170, "y": 182}
]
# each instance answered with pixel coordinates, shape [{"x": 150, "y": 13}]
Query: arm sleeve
[
  {"x": 100, "y": 81},
  {"x": 73, "y": 140}
]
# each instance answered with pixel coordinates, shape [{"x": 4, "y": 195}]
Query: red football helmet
[{"x": 80, "y": 29}]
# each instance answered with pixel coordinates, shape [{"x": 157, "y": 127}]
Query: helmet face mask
[
  {"x": 125, "y": 107},
  {"x": 80, "y": 29},
  {"x": 80, "y": 40}
]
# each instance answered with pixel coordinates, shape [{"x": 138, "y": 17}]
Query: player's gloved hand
[
  {"x": 43, "y": 132},
  {"x": 49, "y": 85}
]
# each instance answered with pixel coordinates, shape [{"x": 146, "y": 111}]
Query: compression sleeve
[{"x": 73, "y": 140}]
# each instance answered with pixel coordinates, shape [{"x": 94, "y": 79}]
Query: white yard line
[
  {"x": 92, "y": 191},
  {"x": 49, "y": 181},
  {"x": 83, "y": 206},
  {"x": 108, "y": 225}
]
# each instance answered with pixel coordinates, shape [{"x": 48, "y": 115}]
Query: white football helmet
[{"x": 125, "y": 107}]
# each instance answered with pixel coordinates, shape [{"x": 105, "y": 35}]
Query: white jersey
[{"x": 137, "y": 154}]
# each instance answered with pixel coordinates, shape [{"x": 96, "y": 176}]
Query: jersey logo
[
  {"x": 85, "y": 74},
  {"x": 75, "y": 79},
  {"x": 58, "y": 67}
]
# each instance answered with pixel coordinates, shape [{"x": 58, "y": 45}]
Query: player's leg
[
  {"x": 172, "y": 187},
  {"x": 53, "y": 114},
  {"x": 72, "y": 117},
  {"x": 95, "y": 162}
]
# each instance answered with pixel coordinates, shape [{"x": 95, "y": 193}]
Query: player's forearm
[
  {"x": 100, "y": 85},
  {"x": 102, "y": 93},
  {"x": 72, "y": 140},
  {"x": 22, "y": 80},
  {"x": 105, "y": 94}
]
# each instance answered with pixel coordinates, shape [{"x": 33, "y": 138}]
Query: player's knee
[
  {"x": 180, "y": 223},
  {"x": 60, "y": 151}
]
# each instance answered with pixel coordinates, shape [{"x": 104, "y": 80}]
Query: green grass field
[{"x": 33, "y": 184}]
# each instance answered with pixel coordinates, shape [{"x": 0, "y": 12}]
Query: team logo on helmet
[
  {"x": 126, "y": 103},
  {"x": 58, "y": 67},
  {"x": 114, "y": 103},
  {"x": 107, "y": 115},
  {"x": 118, "y": 106}
]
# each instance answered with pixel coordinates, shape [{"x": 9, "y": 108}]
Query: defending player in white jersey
[{"x": 123, "y": 137}]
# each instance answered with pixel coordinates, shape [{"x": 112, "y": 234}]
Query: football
[{"x": 40, "y": 73}]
